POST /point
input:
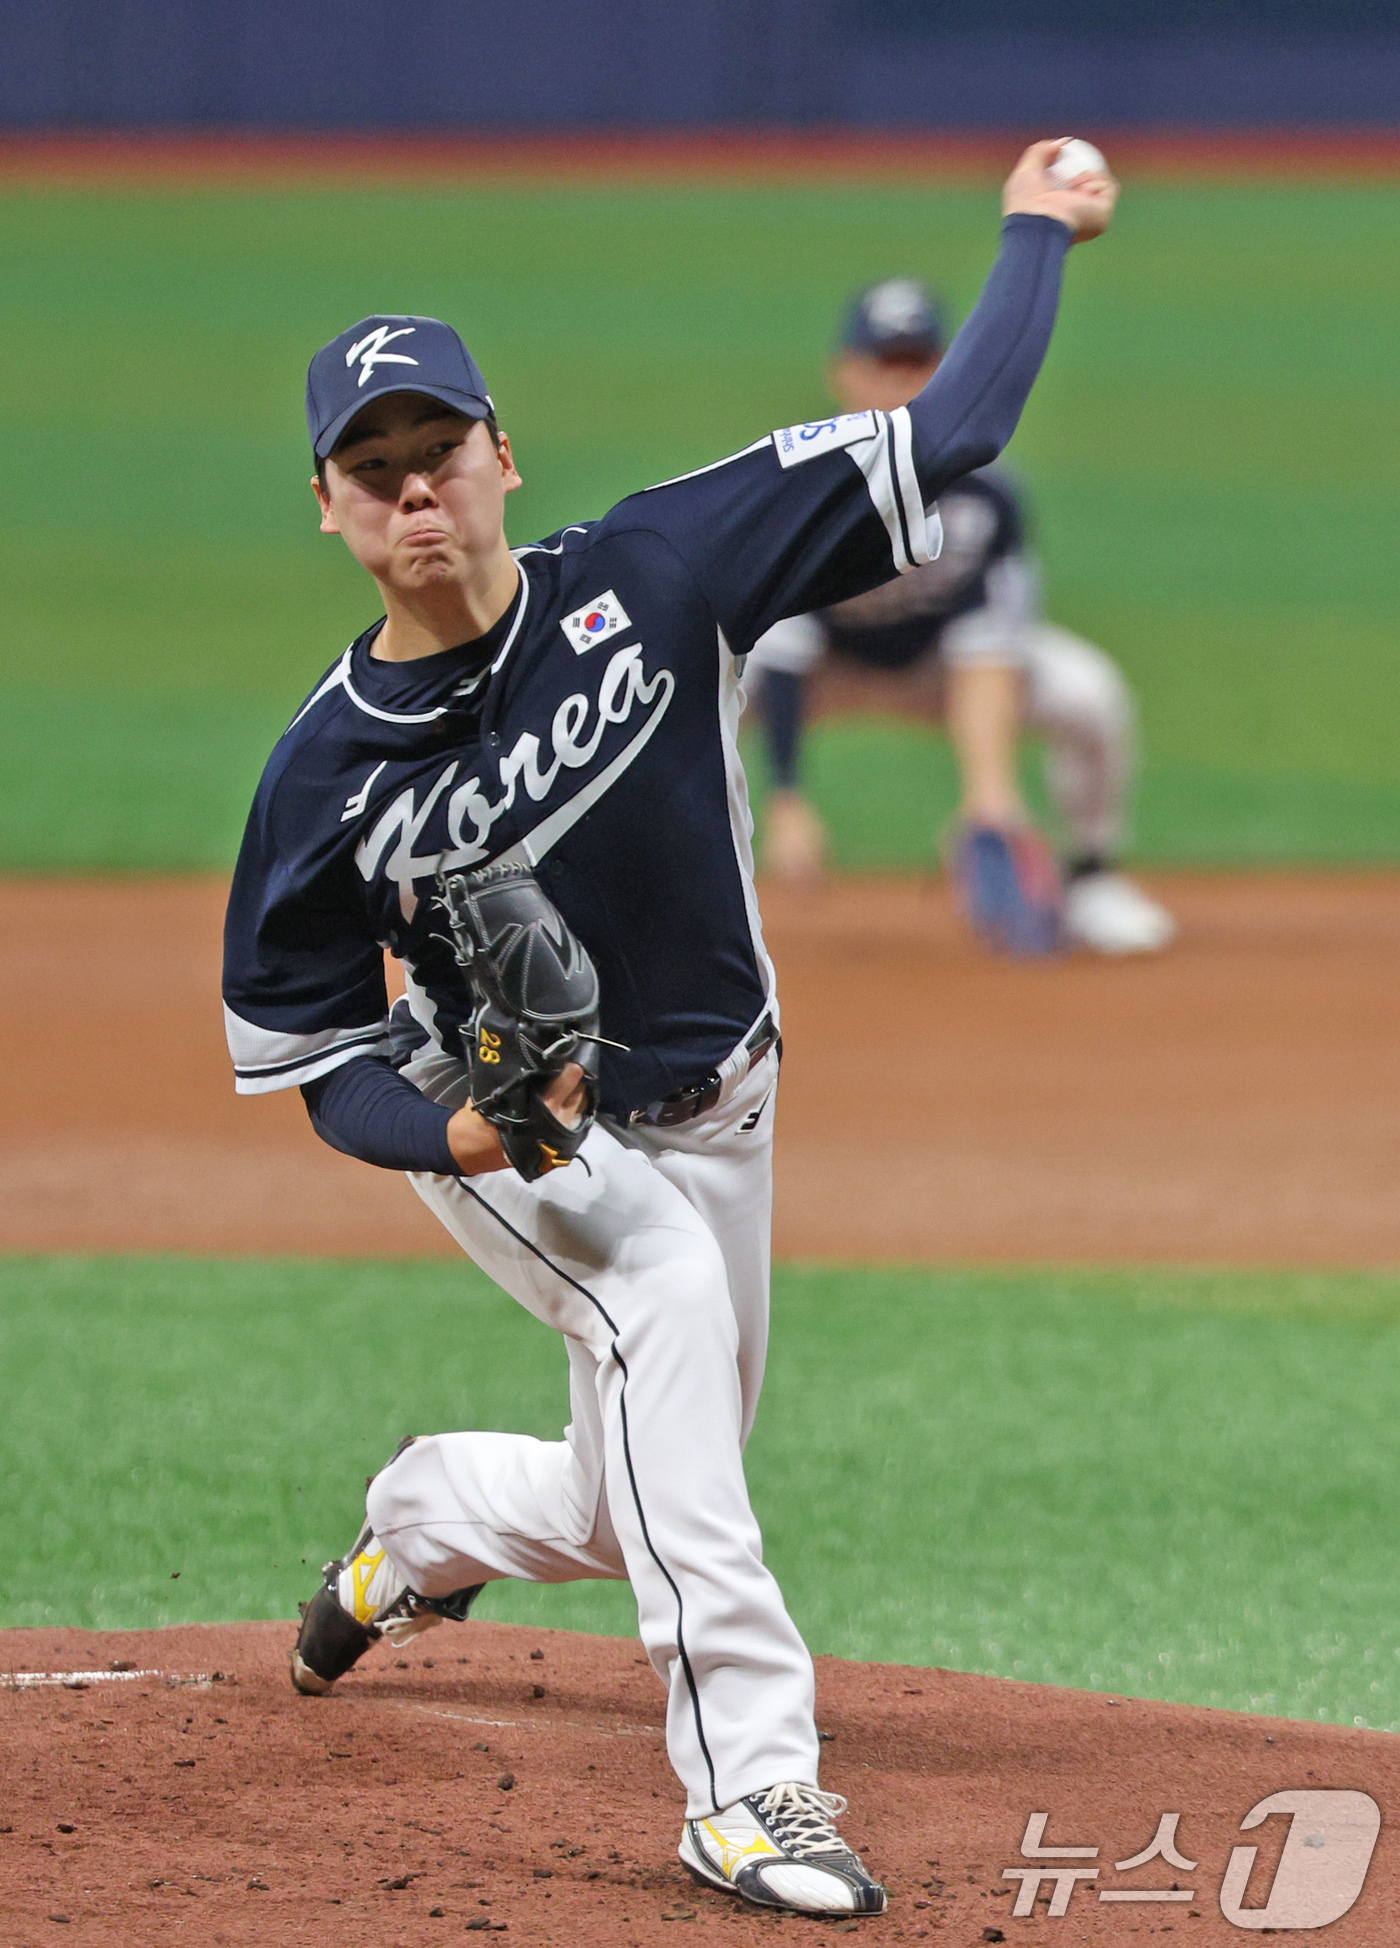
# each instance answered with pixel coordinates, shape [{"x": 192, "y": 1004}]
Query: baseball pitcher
[{"x": 523, "y": 782}]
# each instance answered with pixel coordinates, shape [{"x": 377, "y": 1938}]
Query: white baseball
[{"x": 1076, "y": 158}]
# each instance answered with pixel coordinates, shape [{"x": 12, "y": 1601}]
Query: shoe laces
[{"x": 802, "y": 1817}]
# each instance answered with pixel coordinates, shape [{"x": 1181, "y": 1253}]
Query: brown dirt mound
[
  {"x": 1236, "y": 1100},
  {"x": 232, "y": 1811}
]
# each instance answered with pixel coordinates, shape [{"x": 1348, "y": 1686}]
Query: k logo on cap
[
  {"x": 358, "y": 366},
  {"x": 370, "y": 351}
]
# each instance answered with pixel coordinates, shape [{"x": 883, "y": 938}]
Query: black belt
[{"x": 684, "y": 1105}]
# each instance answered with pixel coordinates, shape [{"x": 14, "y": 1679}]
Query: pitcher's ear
[
  {"x": 509, "y": 471},
  {"x": 329, "y": 524}
]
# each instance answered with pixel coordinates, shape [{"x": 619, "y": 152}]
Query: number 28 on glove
[{"x": 534, "y": 993}]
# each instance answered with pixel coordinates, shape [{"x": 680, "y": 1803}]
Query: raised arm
[
  {"x": 968, "y": 411},
  {"x": 825, "y": 510}
]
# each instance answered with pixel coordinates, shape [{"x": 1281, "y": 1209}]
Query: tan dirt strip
[
  {"x": 1235, "y": 1101},
  {"x": 119, "y": 162}
]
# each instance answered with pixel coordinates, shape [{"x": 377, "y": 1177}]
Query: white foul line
[
  {"x": 534, "y": 1724},
  {"x": 80, "y": 1680}
]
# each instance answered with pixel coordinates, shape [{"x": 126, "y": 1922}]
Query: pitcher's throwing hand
[{"x": 1086, "y": 207}]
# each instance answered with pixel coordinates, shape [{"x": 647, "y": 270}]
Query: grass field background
[
  {"x": 1213, "y": 454},
  {"x": 1174, "y": 1485}
]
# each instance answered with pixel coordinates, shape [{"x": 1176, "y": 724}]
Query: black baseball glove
[{"x": 535, "y": 992}]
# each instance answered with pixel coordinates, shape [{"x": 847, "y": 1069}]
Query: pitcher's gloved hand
[
  {"x": 1008, "y": 886},
  {"x": 535, "y": 991}
]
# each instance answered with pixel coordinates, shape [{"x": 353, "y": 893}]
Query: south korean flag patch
[{"x": 596, "y": 622}]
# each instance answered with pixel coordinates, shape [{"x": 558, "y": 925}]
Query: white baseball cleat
[
  {"x": 1106, "y": 912},
  {"x": 781, "y": 1849}
]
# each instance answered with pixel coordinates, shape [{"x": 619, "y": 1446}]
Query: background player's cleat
[
  {"x": 781, "y": 1849},
  {"x": 1105, "y": 911},
  {"x": 794, "y": 839},
  {"x": 1008, "y": 886}
]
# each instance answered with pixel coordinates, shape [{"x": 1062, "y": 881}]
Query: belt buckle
[{"x": 683, "y": 1106}]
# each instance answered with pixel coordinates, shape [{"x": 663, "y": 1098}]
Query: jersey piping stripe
[
  {"x": 340, "y": 677},
  {"x": 727, "y": 704},
  {"x": 611, "y": 1325},
  {"x": 370, "y": 1037},
  {"x": 386, "y": 716},
  {"x": 900, "y": 509},
  {"x": 925, "y": 533},
  {"x": 323, "y": 688},
  {"x": 728, "y": 461},
  {"x": 874, "y": 458},
  {"x": 514, "y": 631},
  {"x": 538, "y": 547}
]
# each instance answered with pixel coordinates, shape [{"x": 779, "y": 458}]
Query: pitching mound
[{"x": 509, "y": 1781}]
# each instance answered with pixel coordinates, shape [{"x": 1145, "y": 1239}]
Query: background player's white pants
[
  {"x": 653, "y": 1262},
  {"x": 1078, "y": 700}
]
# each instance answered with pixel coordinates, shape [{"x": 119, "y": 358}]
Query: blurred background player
[{"x": 962, "y": 640}]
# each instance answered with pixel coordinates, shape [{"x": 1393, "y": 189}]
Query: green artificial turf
[
  {"x": 1180, "y": 1485},
  {"x": 1212, "y": 449}
]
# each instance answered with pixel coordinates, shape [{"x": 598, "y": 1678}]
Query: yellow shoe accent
[
  {"x": 362, "y": 1574},
  {"x": 732, "y": 1856}
]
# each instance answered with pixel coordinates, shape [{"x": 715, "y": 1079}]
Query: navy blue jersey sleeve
[
  {"x": 815, "y": 514},
  {"x": 969, "y": 409},
  {"x": 367, "y": 1110},
  {"x": 304, "y": 984}
]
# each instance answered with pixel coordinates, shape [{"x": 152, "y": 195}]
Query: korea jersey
[
  {"x": 597, "y": 744},
  {"x": 592, "y": 735}
]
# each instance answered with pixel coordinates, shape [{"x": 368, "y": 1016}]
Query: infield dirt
[
  {"x": 1234, "y": 1101},
  {"x": 476, "y": 1786}
]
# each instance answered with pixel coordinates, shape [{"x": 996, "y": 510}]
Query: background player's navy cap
[
  {"x": 390, "y": 354},
  {"x": 899, "y": 318}
]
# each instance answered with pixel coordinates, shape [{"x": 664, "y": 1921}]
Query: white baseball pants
[
  {"x": 653, "y": 1262},
  {"x": 1079, "y": 701}
]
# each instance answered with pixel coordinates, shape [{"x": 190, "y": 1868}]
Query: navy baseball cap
[
  {"x": 899, "y": 318},
  {"x": 390, "y": 354}
]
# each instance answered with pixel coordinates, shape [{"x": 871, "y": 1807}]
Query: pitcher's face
[{"x": 416, "y": 491}]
